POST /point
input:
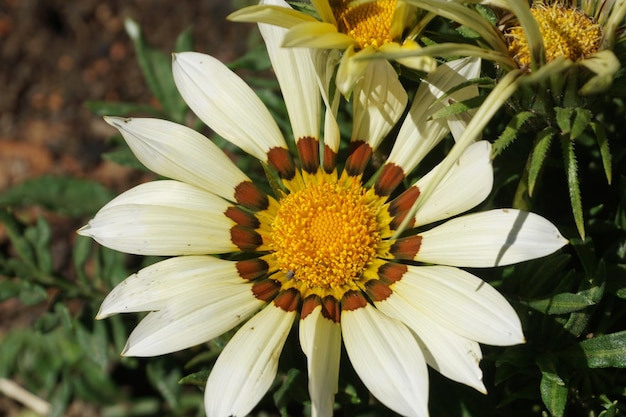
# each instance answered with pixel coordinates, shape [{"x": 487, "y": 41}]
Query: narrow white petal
[
  {"x": 165, "y": 218},
  {"x": 379, "y": 100},
  {"x": 180, "y": 153},
  {"x": 226, "y": 103},
  {"x": 462, "y": 303},
  {"x": 490, "y": 238},
  {"x": 298, "y": 81},
  {"x": 388, "y": 360},
  {"x": 420, "y": 132},
  {"x": 248, "y": 364},
  {"x": 465, "y": 186},
  {"x": 452, "y": 355},
  {"x": 157, "y": 285},
  {"x": 320, "y": 339},
  {"x": 204, "y": 314}
]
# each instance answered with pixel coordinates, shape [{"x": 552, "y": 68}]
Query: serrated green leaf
[
  {"x": 69, "y": 196},
  {"x": 157, "y": 70},
  {"x": 607, "y": 351},
  {"x": 538, "y": 156},
  {"x": 509, "y": 134},
  {"x": 573, "y": 186},
  {"x": 605, "y": 152},
  {"x": 39, "y": 239},
  {"x": 582, "y": 117},
  {"x": 32, "y": 294},
  {"x": 553, "y": 388},
  {"x": 564, "y": 119},
  {"x": 14, "y": 231},
  {"x": 165, "y": 382},
  {"x": 561, "y": 303},
  {"x": 458, "y": 107}
]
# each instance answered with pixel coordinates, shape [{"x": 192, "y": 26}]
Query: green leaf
[
  {"x": 607, "y": 351},
  {"x": 553, "y": 388},
  {"x": 561, "y": 303},
  {"x": 571, "y": 169},
  {"x": 157, "y": 69},
  {"x": 166, "y": 383},
  {"x": 605, "y": 152},
  {"x": 69, "y": 196},
  {"x": 538, "y": 156},
  {"x": 291, "y": 388},
  {"x": 184, "y": 41},
  {"x": 582, "y": 117},
  {"x": 125, "y": 157},
  {"x": 510, "y": 132},
  {"x": 197, "y": 378},
  {"x": 458, "y": 107},
  {"x": 14, "y": 231},
  {"x": 39, "y": 239},
  {"x": 564, "y": 118}
]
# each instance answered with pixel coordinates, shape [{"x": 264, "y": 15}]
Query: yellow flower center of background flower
[
  {"x": 367, "y": 22},
  {"x": 326, "y": 234},
  {"x": 566, "y": 32}
]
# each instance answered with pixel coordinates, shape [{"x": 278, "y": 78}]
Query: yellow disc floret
[
  {"x": 326, "y": 234},
  {"x": 565, "y": 32},
  {"x": 367, "y": 22}
]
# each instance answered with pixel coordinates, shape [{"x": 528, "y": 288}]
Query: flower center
[
  {"x": 326, "y": 234},
  {"x": 566, "y": 32},
  {"x": 367, "y": 22}
]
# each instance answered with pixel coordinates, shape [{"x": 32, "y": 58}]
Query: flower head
[
  {"x": 321, "y": 248},
  {"x": 358, "y": 28}
]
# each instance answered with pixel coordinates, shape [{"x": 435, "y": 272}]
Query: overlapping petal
[
  {"x": 226, "y": 103},
  {"x": 388, "y": 360},
  {"x": 248, "y": 364},
  {"x": 165, "y": 218},
  {"x": 465, "y": 186},
  {"x": 180, "y": 153},
  {"x": 491, "y": 238},
  {"x": 462, "y": 303}
]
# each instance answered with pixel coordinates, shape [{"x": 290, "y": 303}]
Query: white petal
[
  {"x": 490, "y": 238},
  {"x": 226, "y": 104},
  {"x": 180, "y": 153},
  {"x": 351, "y": 69},
  {"x": 452, "y": 355},
  {"x": 248, "y": 364},
  {"x": 419, "y": 132},
  {"x": 388, "y": 360},
  {"x": 160, "y": 284},
  {"x": 298, "y": 81},
  {"x": 465, "y": 186},
  {"x": 379, "y": 100},
  {"x": 165, "y": 218},
  {"x": 320, "y": 339},
  {"x": 462, "y": 303}
]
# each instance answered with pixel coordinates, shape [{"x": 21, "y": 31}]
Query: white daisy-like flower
[{"x": 321, "y": 249}]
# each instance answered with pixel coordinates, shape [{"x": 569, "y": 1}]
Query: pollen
[
  {"x": 566, "y": 32},
  {"x": 326, "y": 235},
  {"x": 367, "y": 22}
]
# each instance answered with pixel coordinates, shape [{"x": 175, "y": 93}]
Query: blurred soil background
[{"x": 54, "y": 56}]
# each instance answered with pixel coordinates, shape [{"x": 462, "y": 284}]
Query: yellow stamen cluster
[
  {"x": 368, "y": 22},
  {"x": 565, "y": 32},
  {"x": 326, "y": 234}
]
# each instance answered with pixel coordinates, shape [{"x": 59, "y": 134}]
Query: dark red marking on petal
[
  {"x": 392, "y": 272},
  {"x": 266, "y": 290},
  {"x": 390, "y": 177},
  {"x": 248, "y": 195},
  {"x": 242, "y": 217},
  {"x": 250, "y": 269},
  {"x": 245, "y": 238},
  {"x": 406, "y": 248},
  {"x": 309, "y": 304},
  {"x": 331, "y": 308},
  {"x": 401, "y": 206},
  {"x": 352, "y": 300},
  {"x": 377, "y": 290},
  {"x": 330, "y": 159},
  {"x": 280, "y": 159},
  {"x": 309, "y": 151},
  {"x": 288, "y": 300},
  {"x": 359, "y": 155}
]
